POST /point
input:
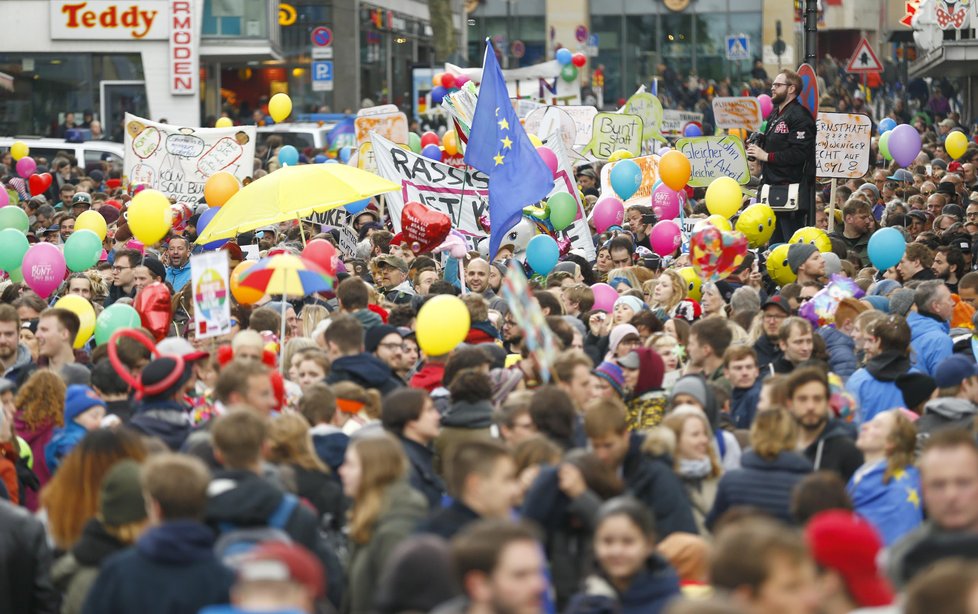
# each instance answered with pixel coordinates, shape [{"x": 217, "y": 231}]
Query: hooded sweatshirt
[
  {"x": 874, "y": 385},
  {"x": 835, "y": 450},
  {"x": 365, "y": 370},
  {"x": 945, "y": 412}
]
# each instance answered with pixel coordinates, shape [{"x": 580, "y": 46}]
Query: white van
[
  {"x": 298, "y": 134},
  {"x": 89, "y": 154}
]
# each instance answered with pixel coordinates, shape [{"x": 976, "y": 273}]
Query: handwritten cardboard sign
[
  {"x": 391, "y": 126},
  {"x": 673, "y": 121},
  {"x": 573, "y": 123},
  {"x": 650, "y": 174},
  {"x": 740, "y": 112},
  {"x": 613, "y": 131},
  {"x": 842, "y": 144},
  {"x": 178, "y": 160},
  {"x": 715, "y": 156},
  {"x": 648, "y": 107}
]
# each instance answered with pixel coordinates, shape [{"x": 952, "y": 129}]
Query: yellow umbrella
[{"x": 291, "y": 193}]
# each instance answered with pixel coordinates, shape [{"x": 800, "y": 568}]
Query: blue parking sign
[{"x": 322, "y": 76}]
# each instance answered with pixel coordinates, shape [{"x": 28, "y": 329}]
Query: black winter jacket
[{"x": 25, "y": 561}]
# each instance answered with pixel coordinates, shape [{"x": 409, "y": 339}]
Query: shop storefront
[{"x": 391, "y": 44}]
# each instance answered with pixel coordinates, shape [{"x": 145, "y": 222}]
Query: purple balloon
[
  {"x": 904, "y": 144},
  {"x": 432, "y": 152},
  {"x": 666, "y": 202},
  {"x": 26, "y": 166},
  {"x": 43, "y": 268}
]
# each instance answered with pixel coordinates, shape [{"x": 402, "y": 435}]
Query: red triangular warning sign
[{"x": 864, "y": 59}]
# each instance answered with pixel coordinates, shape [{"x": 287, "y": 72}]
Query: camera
[{"x": 755, "y": 138}]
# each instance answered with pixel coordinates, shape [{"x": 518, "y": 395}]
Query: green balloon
[
  {"x": 15, "y": 245},
  {"x": 113, "y": 318},
  {"x": 414, "y": 142},
  {"x": 568, "y": 73},
  {"x": 884, "y": 144},
  {"x": 763, "y": 126},
  {"x": 563, "y": 210},
  {"x": 14, "y": 217},
  {"x": 82, "y": 250}
]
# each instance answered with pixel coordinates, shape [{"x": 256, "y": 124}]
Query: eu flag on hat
[{"x": 499, "y": 147}]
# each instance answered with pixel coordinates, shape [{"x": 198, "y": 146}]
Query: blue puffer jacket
[
  {"x": 930, "y": 340},
  {"x": 841, "y": 349},
  {"x": 764, "y": 484}
]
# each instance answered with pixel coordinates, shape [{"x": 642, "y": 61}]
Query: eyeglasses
[
  {"x": 775, "y": 316},
  {"x": 116, "y": 268},
  {"x": 776, "y": 85}
]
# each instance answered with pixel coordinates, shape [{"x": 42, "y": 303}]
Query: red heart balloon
[
  {"x": 39, "y": 183},
  {"x": 423, "y": 229},
  {"x": 155, "y": 311}
]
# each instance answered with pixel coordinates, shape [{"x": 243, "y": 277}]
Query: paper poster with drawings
[{"x": 178, "y": 160}]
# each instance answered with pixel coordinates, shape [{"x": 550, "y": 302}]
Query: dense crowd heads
[{"x": 690, "y": 445}]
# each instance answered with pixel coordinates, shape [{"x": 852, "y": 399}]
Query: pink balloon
[
  {"x": 608, "y": 212},
  {"x": 604, "y": 297},
  {"x": 26, "y": 166},
  {"x": 43, "y": 268},
  {"x": 461, "y": 80},
  {"x": 766, "y": 104},
  {"x": 666, "y": 202},
  {"x": 665, "y": 237},
  {"x": 549, "y": 157},
  {"x": 4, "y": 197}
]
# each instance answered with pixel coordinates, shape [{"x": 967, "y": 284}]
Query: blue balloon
[
  {"x": 203, "y": 221},
  {"x": 319, "y": 159},
  {"x": 288, "y": 155},
  {"x": 437, "y": 94},
  {"x": 692, "y": 130},
  {"x": 432, "y": 151},
  {"x": 886, "y": 248},
  {"x": 357, "y": 207},
  {"x": 542, "y": 254},
  {"x": 564, "y": 56},
  {"x": 331, "y": 161},
  {"x": 345, "y": 154},
  {"x": 655, "y": 186},
  {"x": 887, "y": 124},
  {"x": 626, "y": 177}
]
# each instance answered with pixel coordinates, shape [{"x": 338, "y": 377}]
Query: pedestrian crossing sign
[
  {"x": 738, "y": 47},
  {"x": 864, "y": 59}
]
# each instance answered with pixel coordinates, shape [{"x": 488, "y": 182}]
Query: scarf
[{"x": 694, "y": 469}]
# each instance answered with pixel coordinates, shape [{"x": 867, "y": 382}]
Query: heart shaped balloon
[
  {"x": 155, "y": 311},
  {"x": 423, "y": 229},
  {"x": 715, "y": 254},
  {"x": 39, "y": 183}
]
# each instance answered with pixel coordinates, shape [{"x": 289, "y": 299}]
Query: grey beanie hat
[
  {"x": 798, "y": 253},
  {"x": 121, "y": 498},
  {"x": 901, "y": 301}
]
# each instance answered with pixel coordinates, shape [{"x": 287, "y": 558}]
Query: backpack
[{"x": 234, "y": 542}]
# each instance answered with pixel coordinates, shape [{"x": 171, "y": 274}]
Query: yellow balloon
[
  {"x": 956, "y": 144},
  {"x": 757, "y": 223},
  {"x": 815, "y": 236},
  {"x": 150, "y": 216},
  {"x": 694, "y": 285},
  {"x": 442, "y": 324},
  {"x": 450, "y": 142},
  {"x": 723, "y": 197},
  {"x": 619, "y": 154},
  {"x": 19, "y": 150},
  {"x": 777, "y": 265},
  {"x": 536, "y": 140},
  {"x": 223, "y": 122},
  {"x": 86, "y": 316},
  {"x": 279, "y": 107},
  {"x": 92, "y": 220}
]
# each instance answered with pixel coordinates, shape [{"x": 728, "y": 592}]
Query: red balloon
[
  {"x": 155, "y": 311},
  {"x": 321, "y": 253},
  {"x": 423, "y": 229},
  {"x": 579, "y": 59},
  {"x": 447, "y": 81},
  {"x": 430, "y": 138},
  {"x": 39, "y": 183}
]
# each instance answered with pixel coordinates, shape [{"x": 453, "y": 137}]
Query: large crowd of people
[{"x": 698, "y": 448}]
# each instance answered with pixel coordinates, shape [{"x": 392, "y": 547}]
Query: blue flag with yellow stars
[
  {"x": 499, "y": 147},
  {"x": 894, "y": 507}
]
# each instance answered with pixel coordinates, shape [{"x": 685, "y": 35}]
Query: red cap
[
  {"x": 845, "y": 543},
  {"x": 279, "y": 562},
  {"x": 954, "y": 167}
]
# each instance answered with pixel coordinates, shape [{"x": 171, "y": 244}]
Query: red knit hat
[{"x": 843, "y": 542}]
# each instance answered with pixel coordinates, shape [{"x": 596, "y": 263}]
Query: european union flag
[
  {"x": 893, "y": 508},
  {"x": 499, "y": 147}
]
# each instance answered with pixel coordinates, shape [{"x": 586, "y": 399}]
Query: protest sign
[
  {"x": 538, "y": 82},
  {"x": 650, "y": 174},
  {"x": 674, "y": 121},
  {"x": 539, "y": 338},
  {"x": 740, "y": 112},
  {"x": 388, "y": 122},
  {"x": 613, "y": 131},
  {"x": 576, "y": 120},
  {"x": 715, "y": 156},
  {"x": 647, "y": 107},
  {"x": 209, "y": 282},
  {"x": 365, "y": 157},
  {"x": 177, "y": 161},
  {"x": 842, "y": 144}
]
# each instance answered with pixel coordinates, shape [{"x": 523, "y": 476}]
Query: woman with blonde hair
[
  {"x": 667, "y": 296},
  {"x": 886, "y": 489},
  {"x": 385, "y": 511},
  {"x": 671, "y": 352},
  {"x": 623, "y": 280},
  {"x": 290, "y": 447},
  {"x": 360, "y": 406},
  {"x": 40, "y": 406},
  {"x": 310, "y": 316},
  {"x": 695, "y": 459},
  {"x": 768, "y": 472}
]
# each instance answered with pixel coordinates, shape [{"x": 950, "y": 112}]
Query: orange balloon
[
  {"x": 243, "y": 294},
  {"x": 450, "y": 142},
  {"x": 674, "y": 170},
  {"x": 219, "y": 188}
]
